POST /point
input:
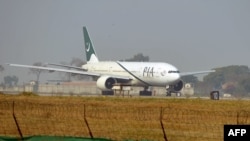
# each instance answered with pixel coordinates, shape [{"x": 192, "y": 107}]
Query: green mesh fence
[{"x": 51, "y": 138}]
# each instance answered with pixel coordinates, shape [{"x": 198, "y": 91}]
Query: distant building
[{"x": 32, "y": 82}]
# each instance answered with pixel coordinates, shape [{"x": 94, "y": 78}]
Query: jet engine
[
  {"x": 105, "y": 82},
  {"x": 178, "y": 86},
  {"x": 175, "y": 87}
]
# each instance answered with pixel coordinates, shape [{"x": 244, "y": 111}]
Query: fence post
[
  {"x": 237, "y": 117},
  {"x": 14, "y": 116},
  {"x": 162, "y": 126},
  {"x": 86, "y": 122}
]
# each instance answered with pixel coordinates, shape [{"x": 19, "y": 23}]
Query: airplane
[{"x": 112, "y": 73}]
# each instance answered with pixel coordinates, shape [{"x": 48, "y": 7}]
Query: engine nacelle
[
  {"x": 105, "y": 82},
  {"x": 175, "y": 87},
  {"x": 178, "y": 86}
]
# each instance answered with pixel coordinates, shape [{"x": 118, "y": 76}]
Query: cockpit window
[{"x": 172, "y": 71}]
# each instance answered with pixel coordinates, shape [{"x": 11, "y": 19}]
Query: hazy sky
[{"x": 190, "y": 34}]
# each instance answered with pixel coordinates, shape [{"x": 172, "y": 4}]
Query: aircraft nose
[{"x": 177, "y": 76}]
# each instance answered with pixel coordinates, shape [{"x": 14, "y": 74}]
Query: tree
[
  {"x": 190, "y": 79},
  {"x": 15, "y": 80},
  {"x": 138, "y": 58},
  {"x": 226, "y": 74},
  {"x": 245, "y": 83},
  {"x": 216, "y": 78},
  {"x": 1, "y": 68},
  {"x": 37, "y": 72},
  {"x": 10, "y": 80},
  {"x": 232, "y": 79},
  {"x": 77, "y": 62},
  {"x": 65, "y": 75}
]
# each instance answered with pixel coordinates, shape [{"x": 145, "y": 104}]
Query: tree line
[{"x": 233, "y": 79}]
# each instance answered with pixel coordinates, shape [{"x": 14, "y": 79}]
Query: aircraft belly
[{"x": 142, "y": 81}]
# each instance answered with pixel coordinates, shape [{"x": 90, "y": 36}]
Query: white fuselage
[{"x": 140, "y": 73}]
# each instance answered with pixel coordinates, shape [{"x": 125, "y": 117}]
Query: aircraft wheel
[
  {"x": 168, "y": 93},
  {"x": 145, "y": 93}
]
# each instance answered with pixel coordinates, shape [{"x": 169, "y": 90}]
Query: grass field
[{"x": 121, "y": 118}]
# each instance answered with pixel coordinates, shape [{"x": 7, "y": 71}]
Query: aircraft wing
[
  {"x": 197, "y": 72},
  {"x": 67, "y": 66},
  {"x": 56, "y": 69},
  {"x": 69, "y": 71}
]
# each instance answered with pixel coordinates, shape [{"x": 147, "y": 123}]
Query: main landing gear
[
  {"x": 169, "y": 93},
  {"x": 170, "y": 90},
  {"x": 146, "y": 92}
]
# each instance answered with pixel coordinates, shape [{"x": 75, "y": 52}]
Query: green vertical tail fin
[{"x": 90, "y": 51}]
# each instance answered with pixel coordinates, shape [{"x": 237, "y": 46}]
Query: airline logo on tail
[{"x": 90, "y": 52}]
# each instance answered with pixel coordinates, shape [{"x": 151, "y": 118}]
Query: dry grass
[{"x": 120, "y": 118}]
